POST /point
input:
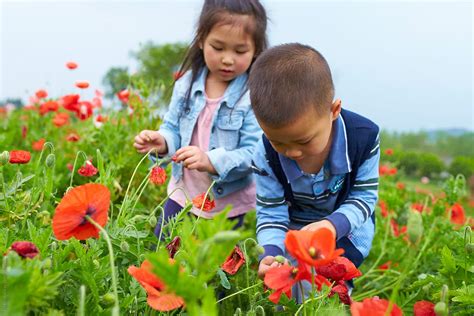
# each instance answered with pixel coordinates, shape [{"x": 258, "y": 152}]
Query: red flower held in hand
[
  {"x": 315, "y": 248},
  {"x": 71, "y": 65},
  {"x": 19, "y": 156},
  {"x": 457, "y": 215},
  {"x": 233, "y": 262},
  {"x": 158, "y": 175},
  {"x": 25, "y": 249},
  {"x": 374, "y": 307},
  {"x": 424, "y": 308},
  {"x": 38, "y": 145},
  {"x": 69, "y": 220},
  {"x": 82, "y": 84},
  {"x": 205, "y": 204},
  {"x": 340, "y": 269},
  {"x": 157, "y": 298},
  {"x": 282, "y": 278},
  {"x": 88, "y": 170}
]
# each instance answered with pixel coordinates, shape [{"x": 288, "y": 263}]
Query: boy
[{"x": 316, "y": 164}]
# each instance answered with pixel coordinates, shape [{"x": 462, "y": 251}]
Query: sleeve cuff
[
  {"x": 271, "y": 250},
  {"x": 341, "y": 223},
  {"x": 169, "y": 142}
]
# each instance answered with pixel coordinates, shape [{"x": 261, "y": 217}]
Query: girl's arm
[{"x": 235, "y": 164}]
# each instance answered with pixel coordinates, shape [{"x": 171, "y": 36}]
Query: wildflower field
[{"x": 78, "y": 206}]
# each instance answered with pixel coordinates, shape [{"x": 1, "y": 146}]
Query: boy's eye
[{"x": 305, "y": 142}]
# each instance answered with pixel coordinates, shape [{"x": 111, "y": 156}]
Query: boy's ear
[{"x": 336, "y": 109}]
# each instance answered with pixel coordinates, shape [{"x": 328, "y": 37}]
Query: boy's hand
[
  {"x": 316, "y": 225},
  {"x": 148, "y": 140},
  {"x": 266, "y": 264},
  {"x": 194, "y": 158}
]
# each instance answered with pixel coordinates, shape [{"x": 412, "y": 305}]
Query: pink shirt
[{"x": 195, "y": 182}]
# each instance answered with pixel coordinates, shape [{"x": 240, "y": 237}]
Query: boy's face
[{"x": 308, "y": 136}]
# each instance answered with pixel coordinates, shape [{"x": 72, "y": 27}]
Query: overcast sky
[{"x": 407, "y": 65}]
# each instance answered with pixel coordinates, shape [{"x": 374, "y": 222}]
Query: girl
[{"x": 210, "y": 129}]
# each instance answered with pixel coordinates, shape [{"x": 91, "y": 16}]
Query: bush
[{"x": 462, "y": 165}]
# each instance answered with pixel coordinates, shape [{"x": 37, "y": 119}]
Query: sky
[{"x": 407, "y": 65}]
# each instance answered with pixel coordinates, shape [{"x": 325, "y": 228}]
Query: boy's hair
[
  {"x": 223, "y": 12},
  {"x": 286, "y": 80}
]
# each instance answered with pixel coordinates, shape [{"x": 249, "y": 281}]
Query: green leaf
[
  {"x": 224, "y": 281},
  {"x": 447, "y": 260}
]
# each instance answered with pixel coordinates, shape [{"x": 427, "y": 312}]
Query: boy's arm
[
  {"x": 360, "y": 204},
  {"x": 232, "y": 165},
  {"x": 272, "y": 210}
]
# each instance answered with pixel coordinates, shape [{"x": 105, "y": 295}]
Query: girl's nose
[{"x": 227, "y": 60}]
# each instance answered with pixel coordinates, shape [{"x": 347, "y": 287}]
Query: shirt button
[
  {"x": 219, "y": 190},
  {"x": 187, "y": 111},
  {"x": 318, "y": 190}
]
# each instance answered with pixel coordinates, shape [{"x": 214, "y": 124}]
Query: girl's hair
[{"x": 221, "y": 11}]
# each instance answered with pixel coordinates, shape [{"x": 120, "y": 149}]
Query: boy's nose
[{"x": 293, "y": 153}]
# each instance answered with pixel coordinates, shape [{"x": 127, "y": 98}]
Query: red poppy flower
[
  {"x": 383, "y": 208},
  {"x": 206, "y": 204},
  {"x": 393, "y": 171},
  {"x": 424, "y": 308},
  {"x": 342, "y": 291},
  {"x": 389, "y": 151},
  {"x": 88, "y": 170},
  {"x": 457, "y": 215},
  {"x": 315, "y": 248},
  {"x": 417, "y": 207},
  {"x": 383, "y": 170},
  {"x": 69, "y": 166},
  {"x": 48, "y": 106},
  {"x": 84, "y": 110},
  {"x": 71, "y": 65},
  {"x": 101, "y": 118},
  {"x": 69, "y": 218},
  {"x": 234, "y": 261},
  {"x": 60, "y": 119},
  {"x": 38, "y": 145},
  {"x": 157, "y": 175},
  {"x": 173, "y": 246},
  {"x": 386, "y": 265},
  {"x": 397, "y": 231},
  {"x": 157, "y": 298},
  {"x": 70, "y": 102},
  {"x": 25, "y": 249},
  {"x": 374, "y": 307},
  {"x": 123, "y": 95},
  {"x": 41, "y": 94},
  {"x": 340, "y": 269},
  {"x": 281, "y": 279},
  {"x": 19, "y": 156},
  {"x": 82, "y": 84},
  {"x": 72, "y": 137},
  {"x": 400, "y": 185}
]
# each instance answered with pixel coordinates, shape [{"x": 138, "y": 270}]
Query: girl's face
[{"x": 228, "y": 50}]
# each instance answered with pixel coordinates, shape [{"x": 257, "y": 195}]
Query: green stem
[
  {"x": 82, "y": 298},
  {"x": 116, "y": 308},
  {"x": 303, "y": 305},
  {"x": 307, "y": 301},
  {"x": 74, "y": 166},
  {"x": 241, "y": 291}
]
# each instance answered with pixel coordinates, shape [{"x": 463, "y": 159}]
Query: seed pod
[
  {"x": 124, "y": 246},
  {"x": 225, "y": 236},
  {"x": 280, "y": 259},
  {"x": 107, "y": 300},
  {"x": 260, "y": 250},
  {"x": 414, "y": 227},
  {"x": 469, "y": 248},
  {"x": 441, "y": 309},
  {"x": 47, "y": 263},
  {"x": 152, "y": 221},
  {"x": 50, "y": 161},
  {"x": 4, "y": 158},
  {"x": 54, "y": 246}
]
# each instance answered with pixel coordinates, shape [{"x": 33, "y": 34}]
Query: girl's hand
[
  {"x": 194, "y": 158},
  {"x": 317, "y": 225},
  {"x": 148, "y": 140},
  {"x": 266, "y": 264}
]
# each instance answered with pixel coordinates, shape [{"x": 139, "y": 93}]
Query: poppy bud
[
  {"x": 469, "y": 247},
  {"x": 225, "y": 236},
  {"x": 54, "y": 246},
  {"x": 441, "y": 309},
  {"x": 47, "y": 263},
  {"x": 50, "y": 160},
  {"x": 280, "y": 259},
  {"x": 152, "y": 221},
  {"x": 107, "y": 300},
  {"x": 124, "y": 246},
  {"x": 4, "y": 158},
  {"x": 427, "y": 287},
  {"x": 415, "y": 227},
  {"x": 422, "y": 276},
  {"x": 260, "y": 250}
]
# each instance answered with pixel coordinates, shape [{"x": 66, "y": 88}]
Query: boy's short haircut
[{"x": 286, "y": 80}]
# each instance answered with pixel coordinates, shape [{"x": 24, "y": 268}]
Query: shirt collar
[
  {"x": 231, "y": 95},
  {"x": 338, "y": 159}
]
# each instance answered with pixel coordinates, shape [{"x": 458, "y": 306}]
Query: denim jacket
[{"x": 234, "y": 131}]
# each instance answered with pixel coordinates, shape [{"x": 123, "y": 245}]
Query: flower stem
[
  {"x": 241, "y": 291},
  {"x": 82, "y": 298},
  {"x": 116, "y": 308}
]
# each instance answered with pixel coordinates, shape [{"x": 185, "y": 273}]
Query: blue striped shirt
[{"x": 316, "y": 194}]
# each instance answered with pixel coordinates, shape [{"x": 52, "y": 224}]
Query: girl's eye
[
  {"x": 241, "y": 52},
  {"x": 217, "y": 48}
]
